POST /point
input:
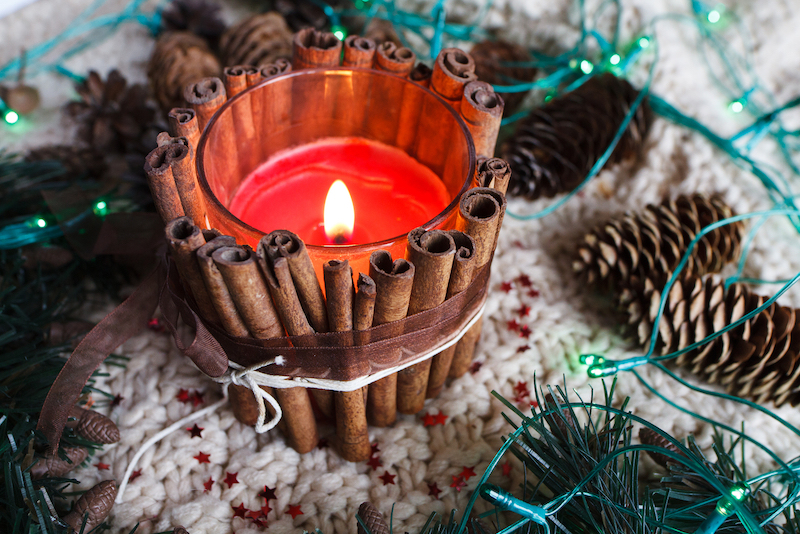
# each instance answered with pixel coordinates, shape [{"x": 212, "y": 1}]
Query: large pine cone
[
  {"x": 622, "y": 252},
  {"x": 258, "y": 40},
  {"x": 179, "y": 58},
  {"x": 554, "y": 148},
  {"x": 491, "y": 66},
  {"x": 372, "y": 518},
  {"x": 758, "y": 359},
  {"x": 196, "y": 16}
]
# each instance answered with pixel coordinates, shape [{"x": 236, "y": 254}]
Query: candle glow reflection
[{"x": 339, "y": 214}]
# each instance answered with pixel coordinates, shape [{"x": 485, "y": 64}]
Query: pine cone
[
  {"x": 55, "y": 466},
  {"x": 196, "y": 16},
  {"x": 620, "y": 254},
  {"x": 77, "y": 161},
  {"x": 179, "y": 530},
  {"x": 491, "y": 66},
  {"x": 651, "y": 437},
  {"x": 301, "y": 14},
  {"x": 380, "y": 31},
  {"x": 372, "y": 518},
  {"x": 258, "y": 40},
  {"x": 95, "y": 503},
  {"x": 93, "y": 426},
  {"x": 112, "y": 114},
  {"x": 554, "y": 148},
  {"x": 758, "y": 359},
  {"x": 178, "y": 59}
]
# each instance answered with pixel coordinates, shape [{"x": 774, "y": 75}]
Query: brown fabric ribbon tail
[{"x": 125, "y": 321}]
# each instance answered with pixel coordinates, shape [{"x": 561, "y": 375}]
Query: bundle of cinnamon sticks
[{"x": 273, "y": 291}]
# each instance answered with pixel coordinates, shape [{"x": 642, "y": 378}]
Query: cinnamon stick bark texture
[
  {"x": 453, "y": 70},
  {"x": 206, "y": 97},
  {"x": 242, "y": 115},
  {"x": 394, "y": 59},
  {"x": 276, "y": 109},
  {"x": 184, "y": 172},
  {"x": 158, "y": 166},
  {"x": 183, "y": 123},
  {"x": 393, "y": 282},
  {"x": 183, "y": 240},
  {"x": 387, "y": 94},
  {"x": 494, "y": 173},
  {"x": 283, "y": 243},
  {"x": 352, "y": 434},
  {"x": 236, "y": 78},
  {"x": 410, "y": 108},
  {"x": 482, "y": 110},
  {"x": 432, "y": 253},
  {"x": 359, "y": 52},
  {"x": 312, "y": 49},
  {"x": 364, "y": 306},
  {"x": 460, "y": 277}
]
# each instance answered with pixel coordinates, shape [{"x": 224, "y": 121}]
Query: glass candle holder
[{"x": 307, "y": 106}]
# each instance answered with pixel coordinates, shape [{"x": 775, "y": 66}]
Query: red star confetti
[
  {"x": 468, "y": 473},
  {"x": 521, "y": 388},
  {"x": 518, "y": 243},
  {"x": 533, "y": 293},
  {"x": 117, "y": 400},
  {"x": 255, "y": 517},
  {"x": 208, "y": 484},
  {"x": 203, "y": 458},
  {"x": 136, "y": 474},
  {"x": 441, "y": 418},
  {"x": 523, "y": 348},
  {"x": 265, "y": 510},
  {"x": 230, "y": 478},
  {"x": 506, "y": 286},
  {"x": 183, "y": 395},
  {"x": 375, "y": 448},
  {"x": 195, "y": 431},
  {"x": 155, "y": 325},
  {"x": 512, "y": 325},
  {"x": 239, "y": 511},
  {"x": 524, "y": 280},
  {"x": 322, "y": 443},
  {"x": 268, "y": 493},
  {"x": 458, "y": 483},
  {"x": 375, "y": 463},
  {"x": 428, "y": 420},
  {"x": 294, "y": 510},
  {"x": 387, "y": 478},
  {"x": 506, "y": 468},
  {"x": 475, "y": 367},
  {"x": 525, "y": 331},
  {"x": 434, "y": 490},
  {"x": 524, "y": 311},
  {"x": 101, "y": 466},
  {"x": 534, "y": 404},
  {"x": 197, "y": 399}
]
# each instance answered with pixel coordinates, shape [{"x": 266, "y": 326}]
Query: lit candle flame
[{"x": 339, "y": 214}]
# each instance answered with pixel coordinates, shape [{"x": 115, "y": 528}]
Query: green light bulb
[
  {"x": 41, "y": 223},
  {"x": 100, "y": 208},
  {"x": 736, "y": 106},
  {"x": 339, "y": 31},
  {"x": 11, "y": 116},
  {"x": 714, "y": 16},
  {"x": 644, "y": 42},
  {"x": 586, "y": 67},
  {"x": 615, "y": 59}
]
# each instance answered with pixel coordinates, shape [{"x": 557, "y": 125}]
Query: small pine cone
[
  {"x": 372, "y": 518},
  {"x": 758, "y": 359},
  {"x": 554, "y": 148},
  {"x": 55, "y": 466},
  {"x": 651, "y": 437},
  {"x": 199, "y": 17},
  {"x": 258, "y": 40},
  {"x": 626, "y": 250},
  {"x": 96, "y": 503},
  {"x": 491, "y": 66},
  {"x": 179, "y": 530},
  {"x": 178, "y": 59},
  {"x": 93, "y": 426},
  {"x": 301, "y": 14},
  {"x": 76, "y": 161}
]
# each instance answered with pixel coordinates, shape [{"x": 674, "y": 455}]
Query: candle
[{"x": 391, "y": 192}]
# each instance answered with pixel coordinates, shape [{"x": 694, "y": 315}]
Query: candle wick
[{"x": 340, "y": 239}]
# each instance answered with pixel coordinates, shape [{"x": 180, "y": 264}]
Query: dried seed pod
[
  {"x": 55, "y": 466},
  {"x": 178, "y": 59},
  {"x": 93, "y": 426},
  {"x": 95, "y": 504},
  {"x": 554, "y": 148},
  {"x": 494, "y": 64},
  {"x": 651, "y": 437},
  {"x": 372, "y": 518},
  {"x": 258, "y": 40},
  {"x": 21, "y": 98}
]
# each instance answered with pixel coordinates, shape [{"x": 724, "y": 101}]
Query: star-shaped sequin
[
  {"x": 239, "y": 511},
  {"x": 197, "y": 398},
  {"x": 441, "y": 418},
  {"x": 523, "y": 348},
  {"x": 524, "y": 280},
  {"x": 294, "y": 510},
  {"x": 101, "y": 466},
  {"x": 458, "y": 483},
  {"x": 525, "y": 331},
  {"x": 524, "y": 311},
  {"x": 230, "y": 479},
  {"x": 117, "y": 400},
  {"x": 375, "y": 448},
  {"x": 475, "y": 367},
  {"x": 467, "y": 473},
  {"x": 434, "y": 490},
  {"x": 387, "y": 478},
  {"x": 265, "y": 510},
  {"x": 375, "y": 462},
  {"x": 136, "y": 474},
  {"x": 195, "y": 431},
  {"x": 155, "y": 325},
  {"x": 268, "y": 493},
  {"x": 183, "y": 395},
  {"x": 506, "y": 286},
  {"x": 428, "y": 420},
  {"x": 506, "y": 468},
  {"x": 208, "y": 484},
  {"x": 512, "y": 325},
  {"x": 203, "y": 458},
  {"x": 533, "y": 293}
]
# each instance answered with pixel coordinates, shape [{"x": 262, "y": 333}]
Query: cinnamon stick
[
  {"x": 393, "y": 282},
  {"x": 397, "y": 60},
  {"x": 236, "y": 78},
  {"x": 183, "y": 240},
  {"x": 411, "y": 107},
  {"x": 453, "y": 70},
  {"x": 387, "y": 94},
  {"x": 460, "y": 277},
  {"x": 217, "y": 288},
  {"x": 158, "y": 166},
  {"x": 244, "y": 115},
  {"x": 164, "y": 138},
  {"x": 359, "y": 52},
  {"x": 280, "y": 66},
  {"x": 312, "y": 48},
  {"x": 481, "y": 213},
  {"x": 352, "y": 434},
  {"x": 364, "y": 306},
  {"x": 482, "y": 110},
  {"x": 494, "y": 173},
  {"x": 275, "y": 104},
  {"x": 432, "y": 253},
  {"x": 184, "y": 172},
  {"x": 283, "y": 243},
  {"x": 183, "y": 123},
  {"x": 206, "y": 97}
]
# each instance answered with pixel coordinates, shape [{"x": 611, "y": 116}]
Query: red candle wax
[{"x": 392, "y": 192}]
